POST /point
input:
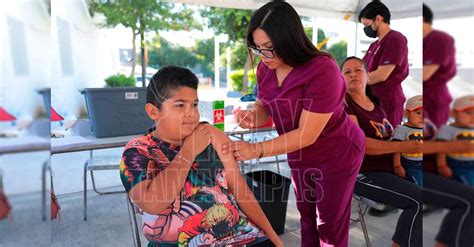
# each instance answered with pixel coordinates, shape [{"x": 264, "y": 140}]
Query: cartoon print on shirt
[
  {"x": 464, "y": 136},
  {"x": 415, "y": 136},
  {"x": 383, "y": 130}
]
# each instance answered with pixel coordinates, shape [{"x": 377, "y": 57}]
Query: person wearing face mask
[
  {"x": 302, "y": 89},
  {"x": 386, "y": 58}
]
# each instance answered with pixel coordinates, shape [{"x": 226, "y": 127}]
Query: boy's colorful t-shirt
[
  {"x": 451, "y": 133},
  {"x": 204, "y": 213}
]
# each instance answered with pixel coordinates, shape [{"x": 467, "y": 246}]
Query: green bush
[
  {"x": 120, "y": 80},
  {"x": 236, "y": 78}
]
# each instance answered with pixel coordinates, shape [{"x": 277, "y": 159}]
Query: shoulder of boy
[
  {"x": 446, "y": 132},
  {"x": 138, "y": 141},
  {"x": 401, "y": 129}
]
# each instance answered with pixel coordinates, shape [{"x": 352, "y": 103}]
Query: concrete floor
[{"x": 108, "y": 223}]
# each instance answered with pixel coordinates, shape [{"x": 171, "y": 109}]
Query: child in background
[
  {"x": 410, "y": 165},
  {"x": 459, "y": 165}
]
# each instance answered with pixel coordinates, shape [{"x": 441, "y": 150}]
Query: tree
[
  {"x": 239, "y": 56},
  {"x": 143, "y": 16},
  {"x": 233, "y": 22},
  {"x": 339, "y": 51},
  {"x": 198, "y": 58},
  {"x": 204, "y": 52},
  {"x": 165, "y": 53},
  {"x": 321, "y": 35}
]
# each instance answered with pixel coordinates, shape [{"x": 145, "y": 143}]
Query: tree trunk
[
  {"x": 245, "y": 79},
  {"x": 142, "y": 51},
  {"x": 134, "y": 53}
]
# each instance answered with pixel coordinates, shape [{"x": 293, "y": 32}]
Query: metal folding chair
[
  {"x": 102, "y": 162},
  {"x": 1, "y": 179},
  {"x": 361, "y": 213},
  {"x": 44, "y": 191},
  {"x": 132, "y": 213}
]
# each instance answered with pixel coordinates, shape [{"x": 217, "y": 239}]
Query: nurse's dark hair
[
  {"x": 427, "y": 14},
  {"x": 374, "y": 8},
  {"x": 368, "y": 89},
  {"x": 282, "y": 24},
  {"x": 167, "y": 80}
]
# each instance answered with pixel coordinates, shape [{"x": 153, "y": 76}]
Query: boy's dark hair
[
  {"x": 374, "y": 8},
  {"x": 166, "y": 81},
  {"x": 427, "y": 14},
  {"x": 368, "y": 89},
  {"x": 282, "y": 24}
]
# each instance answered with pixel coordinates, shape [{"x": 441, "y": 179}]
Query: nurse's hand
[
  {"x": 241, "y": 150},
  {"x": 247, "y": 119}
]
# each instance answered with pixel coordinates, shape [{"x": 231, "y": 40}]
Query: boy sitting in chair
[{"x": 189, "y": 193}]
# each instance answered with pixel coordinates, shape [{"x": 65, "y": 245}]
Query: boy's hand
[
  {"x": 445, "y": 171},
  {"x": 400, "y": 171},
  {"x": 197, "y": 141},
  {"x": 277, "y": 242}
]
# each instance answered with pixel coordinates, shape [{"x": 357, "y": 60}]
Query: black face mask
[{"x": 370, "y": 32}]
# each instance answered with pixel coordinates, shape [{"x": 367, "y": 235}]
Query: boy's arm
[
  {"x": 155, "y": 195},
  {"x": 397, "y": 160},
  {"x": 237, "y": 185},
  {"x": 397, "y": 165},
  {"x": 445, "y": 134},
  {"x": 398, "y": 135},
  {"x": 441, "y": 159},
  {"x": 442, "y": 166}
]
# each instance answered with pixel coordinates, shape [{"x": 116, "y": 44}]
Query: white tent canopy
[
  {"x": 339, "y": 9},
  {"x": 443, "y": 9},
  {"x": 321, "y": 8}
]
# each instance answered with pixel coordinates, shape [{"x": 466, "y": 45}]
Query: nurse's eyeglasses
[{"x": 268, "y": 53}]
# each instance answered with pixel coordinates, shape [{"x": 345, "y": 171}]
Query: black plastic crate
[{"x": 271, "y": 191}]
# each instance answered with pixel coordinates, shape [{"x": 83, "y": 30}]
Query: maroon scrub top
[
  {"x": 438, "y": 48},
  {"x": 316, "y": 86},
  {"x": 391, "y": 50}
]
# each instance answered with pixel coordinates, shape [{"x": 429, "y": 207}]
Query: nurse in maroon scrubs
[
  {"x": 439, "y": 66},
  {"x": 386, "y": 59},
  {"x": 302, "y": 89}
]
